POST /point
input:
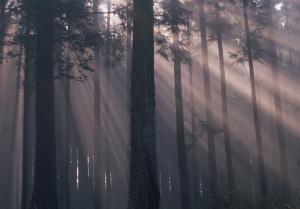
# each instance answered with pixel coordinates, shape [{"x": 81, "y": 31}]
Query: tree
[
  {"x": 143, "y": 185},
  {"x": 220, "y": 27},
  {"x": 29, "y": 114},
  {"x": 175, "y": 16},
  {"x": 128, "y": 59},
  {"x": 273, "y": 59},
  {"x": 212, "y": 164},
  {"x": 45, "y": 180},
  {"x": 97, "y": 113},
  {"x": 257, "y": 128}
]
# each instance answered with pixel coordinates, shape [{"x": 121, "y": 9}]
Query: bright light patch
[
  {"x": 279, "y": 6},
  {"x": 88, "y": 162}
]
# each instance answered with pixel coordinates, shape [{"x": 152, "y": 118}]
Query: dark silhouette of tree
[
  {"x": 29, "y": 113},
  {"x": 128, "y": 58},
  {"x": 40, "y": 48},
  {"x": 97, "y": 113},
  {"x": 45, "y": 179},
  {"x": 143, "y": 185}
]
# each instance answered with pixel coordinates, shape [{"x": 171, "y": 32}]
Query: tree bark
[
  {"x": 143, "y": 185},
  {"x": 28, "y": 125},
  {"x": 45, "y": 180}
]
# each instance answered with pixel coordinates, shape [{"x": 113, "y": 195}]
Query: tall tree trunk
[
  {"x": 193, "y": 132},
  {"x": 212, "y": 164},
  {"x": 273, "y": 57},
  {"x": 45, "y": 180},
  {"x": 261, "y": 165},
  {"x": 128, "y": 80},
  {"x": 97, "y": 120},
  {"x": 28, "y": 124},
  {"x": 67, "y": 151},
  {"x": 230, "y": 174},
  {"x": 128, "y": 65},
  {"x": 180, "y": 138},
  {"x": 143, "y": 185},
  {"x": 108, "y": 170}
]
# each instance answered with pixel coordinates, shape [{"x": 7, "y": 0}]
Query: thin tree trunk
[
  {"x": 67, "y": 144},
  {"x": 108, "y": 170},
  {"x": 193, "y": 135},
  {"x": 283, "y": 161},
  {"x": 128, "y": 64},
  {"x": 181, "y": 147},
  {"x": 213, "y": 177},
  {"x": 97, "y": 120},
  {"x": 45, "y": 180},
  {"x": 143, "y": 185},
  {"x": 230, "y": 174},
  {"x": 128, "y": 80},
  {"x": 261, "y": 165},
  {"x": 15, "y": 137}
]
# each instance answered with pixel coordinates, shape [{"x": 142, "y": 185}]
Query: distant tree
[
  {"x": 212, "y": 164},
  {"x": 174, "y": 17},
  {"x": 143, "y": 184},
  {"x": 219, "y": 26},
  {"x": 257, "y": 127},
  {"x": 194, "y": 139},
  {"x": 273, "y": 60}
]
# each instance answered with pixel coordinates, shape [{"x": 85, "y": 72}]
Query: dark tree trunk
[
  {"x": 28, "y": 126},
  {"x": 107, "y": 150},
  {"x": 128, "y": 65},
  {"x": 230, "y": 174},
  {"x": 180, "y": 138},
  {"x": 181, "y": 147},
  {"x": 273, "y": 57},
  {"x": 143, "y": 185},
  {"x": 45, "y": 180},
  {"x": 97, "y": 120},
  {"x": 213, "y": 176},
  {"x": 193, "y": 137},
  {"x": 261, "y": 165},
  {"x": 67, "y": 151}
]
